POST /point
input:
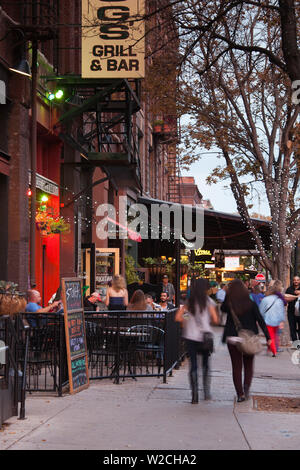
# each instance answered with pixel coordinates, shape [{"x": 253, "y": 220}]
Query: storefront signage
[
  {"x": 45, "y": 185},
  {"x": 203, "y": 256},
  {"x": 200, "y": 252},
  {"x": 113, "y": 39},
  {"x": 75, "y": 334},
  {"x": 232, "y": 262}
]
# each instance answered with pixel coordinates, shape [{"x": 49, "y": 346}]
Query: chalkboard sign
[
  {"x": 79, "y": 376},
  {"x": 73, "y": 291},
  {"x": 75, "y": 334}
]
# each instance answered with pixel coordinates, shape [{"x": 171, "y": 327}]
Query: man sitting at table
[
  {"x": 90, "y": 303},
  {"x": 150, "y": 301},
  {"x": 164, "y": 304},
  {"x": 33, "y": 306}
]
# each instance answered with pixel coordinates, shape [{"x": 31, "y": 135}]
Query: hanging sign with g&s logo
[{"x": 113, "y": 39}]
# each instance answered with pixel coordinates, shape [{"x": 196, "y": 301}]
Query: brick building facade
[{"x": 63, "y": 147}]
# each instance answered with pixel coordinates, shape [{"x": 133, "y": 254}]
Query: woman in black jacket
[{"x": 238, "y": 300}]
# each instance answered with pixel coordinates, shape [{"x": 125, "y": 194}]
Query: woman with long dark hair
[
  {"x": 238, "y": 303},
  {"x": 137, "y": 301},
  {"x": 196, "y": 318}
]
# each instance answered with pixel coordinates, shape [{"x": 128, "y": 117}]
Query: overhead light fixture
[
  {"x": 55, "y": 95},
  {"x": 22, "y": 68},
  {"x": 59, "y": 94}
]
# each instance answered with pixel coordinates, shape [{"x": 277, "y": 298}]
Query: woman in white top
[
  {"x": 196, "y": 318},
  {"x": 117, "y": 294}
]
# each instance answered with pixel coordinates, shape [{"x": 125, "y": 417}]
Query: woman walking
[
  {"x": 196, "y": 318},
  {"x": 117, "y": 294},
  {"x": 272, "y": 310},
  {"x": 238, "y": 304}
]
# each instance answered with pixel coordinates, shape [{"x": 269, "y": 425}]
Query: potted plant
[
  {"x": 50, "y": 225},
  {"x": 157, "y": 126},
  {"x": 197, "y": 269},
  {"x": 151, "y": 264},
  {"x": 130, "y": 270},
  {"x": 11, "y": 301},
  {"x": 169, "y": 267},
  {"x": 58, "y": 225},
  {"x": 166, "y": 128}
]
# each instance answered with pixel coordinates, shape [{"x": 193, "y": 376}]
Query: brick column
[{"x": 18, "y": 212}]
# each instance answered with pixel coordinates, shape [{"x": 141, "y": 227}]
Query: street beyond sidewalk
[{"x": 147, "y": 414}]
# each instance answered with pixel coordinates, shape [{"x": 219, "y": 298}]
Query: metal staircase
[{"x": 173, "y": 176}]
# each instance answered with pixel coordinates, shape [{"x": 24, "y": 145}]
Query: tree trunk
[{"x": 282, "y": 272}]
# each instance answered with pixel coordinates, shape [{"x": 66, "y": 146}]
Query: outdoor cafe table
[{"x": 127, "y": 348}]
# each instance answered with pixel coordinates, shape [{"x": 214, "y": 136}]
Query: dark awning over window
[{"x": 225, "y": 231}]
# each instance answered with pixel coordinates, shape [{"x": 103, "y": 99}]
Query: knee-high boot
[
  {"x": 194, "y": 386},
  {"x": 206, "y": 384}
]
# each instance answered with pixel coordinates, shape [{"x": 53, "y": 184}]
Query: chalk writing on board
[
  {"x": 73, "y": 295},
  {"x": 76, "y": 333},
  {"x": 79, "y": 377}
]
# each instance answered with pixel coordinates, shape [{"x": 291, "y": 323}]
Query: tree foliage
[{"x": 237, "y": 62}]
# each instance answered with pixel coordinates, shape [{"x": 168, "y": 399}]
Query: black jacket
[
  {"x": 291, "y": 305},
  {"x": 248, "y": 321}
]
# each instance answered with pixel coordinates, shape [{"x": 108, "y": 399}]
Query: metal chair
[
  {"x": 42, "y": 354},
  {"x": 151, "y": 343},
  {"x": 102, "y": 349}
]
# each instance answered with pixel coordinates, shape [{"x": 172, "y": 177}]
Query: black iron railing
[
  {"x": 120, "y": 345},
  {"x": 13, "y": 367}
]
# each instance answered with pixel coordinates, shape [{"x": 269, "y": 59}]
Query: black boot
[
  {"x": 206, "y": 385},
  {"x": 247, "y": 392},
  {"x": 194, "y": 386}
]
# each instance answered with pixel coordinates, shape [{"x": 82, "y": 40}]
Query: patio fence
[
  {"x": 14, "y": 343},
  {"x": 120, "y": 345}
]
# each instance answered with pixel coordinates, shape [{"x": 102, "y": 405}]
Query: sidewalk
[{"x": 147, "y": 414}]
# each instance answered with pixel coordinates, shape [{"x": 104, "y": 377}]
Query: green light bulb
[{"x": 59, "y": 94}]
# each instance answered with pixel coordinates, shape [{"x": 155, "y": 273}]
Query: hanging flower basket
[{"x": 50, "y": 225}]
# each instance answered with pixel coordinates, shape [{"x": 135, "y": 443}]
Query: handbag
[
  {"x": 249, "y": 343},
  {"x": 207, "y": 343}
]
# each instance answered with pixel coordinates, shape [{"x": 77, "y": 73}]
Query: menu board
[
  {"x": 106, "y": 266},
  {"x": 73, "y": 295},
  {"x": 75, "y": 334},
  {"x": 79, "y": 377}
]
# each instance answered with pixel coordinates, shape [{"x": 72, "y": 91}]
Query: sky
[{"x": 220, "y": 197}]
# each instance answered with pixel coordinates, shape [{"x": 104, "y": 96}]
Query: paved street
[{"x": 147, "y": 414}]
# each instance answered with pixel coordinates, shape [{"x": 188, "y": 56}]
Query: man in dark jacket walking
[{"x": 294, "y": 320}]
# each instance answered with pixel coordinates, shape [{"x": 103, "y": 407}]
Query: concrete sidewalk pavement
[{"x": 147, "y": 414}]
